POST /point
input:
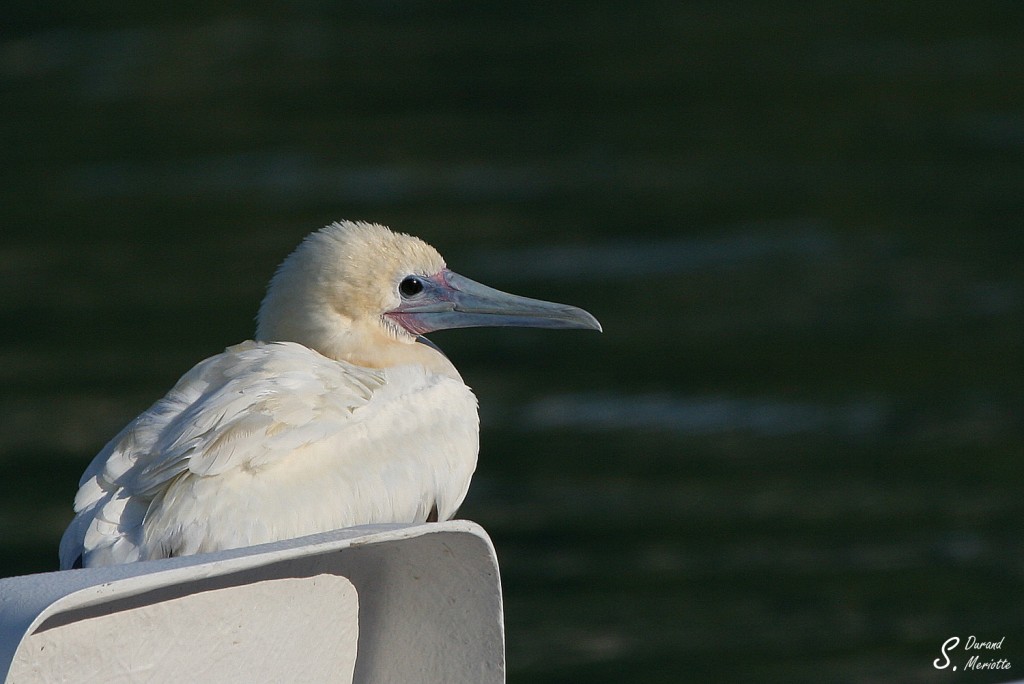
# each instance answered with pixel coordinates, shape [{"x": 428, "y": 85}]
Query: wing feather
[{"x": 244, "y": 410}]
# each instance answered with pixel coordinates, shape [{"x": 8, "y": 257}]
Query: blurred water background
[{"x": 796, "y": 452}]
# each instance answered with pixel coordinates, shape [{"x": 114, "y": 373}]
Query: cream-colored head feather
[{"x": 331, "y": 293}]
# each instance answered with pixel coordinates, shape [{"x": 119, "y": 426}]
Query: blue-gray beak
[{"x": 449, "y": 300}]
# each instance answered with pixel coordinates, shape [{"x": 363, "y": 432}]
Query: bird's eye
[{"x": 411, "y": 286}]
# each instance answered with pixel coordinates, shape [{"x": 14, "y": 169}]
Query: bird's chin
[{"x": 411, "y": 323}]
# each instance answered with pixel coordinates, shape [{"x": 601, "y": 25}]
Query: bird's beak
[{"x": 449, "y": 300}]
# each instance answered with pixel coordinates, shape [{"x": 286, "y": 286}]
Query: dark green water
[{"x": 796, "y": 452}]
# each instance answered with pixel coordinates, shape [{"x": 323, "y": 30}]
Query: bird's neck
[
  {"x": 296, "y": 309},
  {"x": 367, "y": 345},
  {"x": 382, "y": 351}
]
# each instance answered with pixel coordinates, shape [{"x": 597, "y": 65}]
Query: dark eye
[{"x": 411, "y": 286}]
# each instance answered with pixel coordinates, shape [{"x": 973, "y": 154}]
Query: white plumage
[{"x": 337, "y": 415}]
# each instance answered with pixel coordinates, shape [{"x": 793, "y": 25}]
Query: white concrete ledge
[{"x": 380, "y": 603}]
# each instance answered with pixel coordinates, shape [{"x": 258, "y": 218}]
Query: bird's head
[{"x": 362, "y": 293}]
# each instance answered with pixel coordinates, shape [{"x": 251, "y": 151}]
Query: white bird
[{"x": 338, "y": 414}]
